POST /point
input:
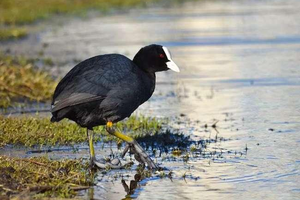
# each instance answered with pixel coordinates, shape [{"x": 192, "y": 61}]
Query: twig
[
  {"x": 80, "y": 188},
  {"x": 40, "y": 188},
  {"x": 35, "y": 162}
]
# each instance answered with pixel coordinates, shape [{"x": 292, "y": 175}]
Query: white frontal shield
[{"x": 170, "y": 64}]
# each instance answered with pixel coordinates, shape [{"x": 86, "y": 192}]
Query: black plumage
[{"x": 108, "y": 88}]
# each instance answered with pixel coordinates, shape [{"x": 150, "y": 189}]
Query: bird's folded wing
[{"x": 74, "y": 99}]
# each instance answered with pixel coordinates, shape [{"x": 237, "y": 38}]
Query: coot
[{"x": 105, "y": 89}]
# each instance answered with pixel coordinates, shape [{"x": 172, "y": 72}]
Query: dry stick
[
  {"x": 40, "y": 188},
  {"x": 35, "y": 162},
  {"x": 80, "y": 188},
  {"x": 7, "y": 189},
  {"x": 46, "y": 188},
  {"x": 63, "y": 182}
]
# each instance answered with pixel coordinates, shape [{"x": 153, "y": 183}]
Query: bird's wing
[
  {"x": 74, "y": 99},
  {"x": 92, "y": 80}
]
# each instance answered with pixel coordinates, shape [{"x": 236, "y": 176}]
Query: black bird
[{"x": 105, "y": 89}]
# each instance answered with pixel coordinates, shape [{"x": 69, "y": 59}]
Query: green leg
[
  {"x": 115, "y": 164},
  {"x": 140, "y": 154},
  {"x": 90, "y": 135}
]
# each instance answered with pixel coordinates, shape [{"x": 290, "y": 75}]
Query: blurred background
[{"x": 240, "y": 66}]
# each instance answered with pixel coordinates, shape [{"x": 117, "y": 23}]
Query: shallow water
[{"x": 239, "y": 64}]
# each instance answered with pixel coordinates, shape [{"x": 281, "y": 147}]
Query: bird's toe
[
  {"x": 141, "y": 156},
  {"x": 111, "y": 164}
]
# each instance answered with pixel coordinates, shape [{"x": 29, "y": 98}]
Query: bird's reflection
[{"x": 132, "y": 186}]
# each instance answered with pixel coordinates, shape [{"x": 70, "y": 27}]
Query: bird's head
[{"x": 155, "y": 58}]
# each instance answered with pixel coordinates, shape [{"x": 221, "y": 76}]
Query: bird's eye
[{"x": 161, "y": 55}]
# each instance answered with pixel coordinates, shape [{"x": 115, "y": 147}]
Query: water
[{"x": 239, "y": 64}]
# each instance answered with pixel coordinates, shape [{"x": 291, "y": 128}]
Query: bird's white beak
[{"x": 172, "y": 66}]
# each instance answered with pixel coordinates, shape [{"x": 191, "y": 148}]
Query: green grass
[
  {"x": 14, "y": 13},
  {"x": 21, "y": 81},
  {"x": 12, "y": 33},
  {"x": 36, "y": 131},
  {"x": 42, "y": 177}
]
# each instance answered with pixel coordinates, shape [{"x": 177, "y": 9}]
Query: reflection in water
[
  {"x": 132, "y": 186},
  {"x": 240, "y": 65},
  {"x": 129, "y": 189}
]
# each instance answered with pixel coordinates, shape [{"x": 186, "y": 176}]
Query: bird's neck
[
  {"x": 143, "y": 64},
  {"x": 148, "y": 85}
]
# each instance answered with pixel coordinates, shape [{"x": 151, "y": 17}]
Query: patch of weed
[
  {"x": 40, "y": 177},
  {"x": 12, "y": 33},
  {"x": 31, "y": 131},
  {"x": 20, "y": 81}
]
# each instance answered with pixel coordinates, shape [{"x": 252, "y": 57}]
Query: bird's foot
[
  {"x": 109, "y": 164},
  {"x": 139, "y": 154}
]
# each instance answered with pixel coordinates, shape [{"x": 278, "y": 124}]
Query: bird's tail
[
  {"x": 59, "y": 115},
  {"x": 53, "y": 119}
]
